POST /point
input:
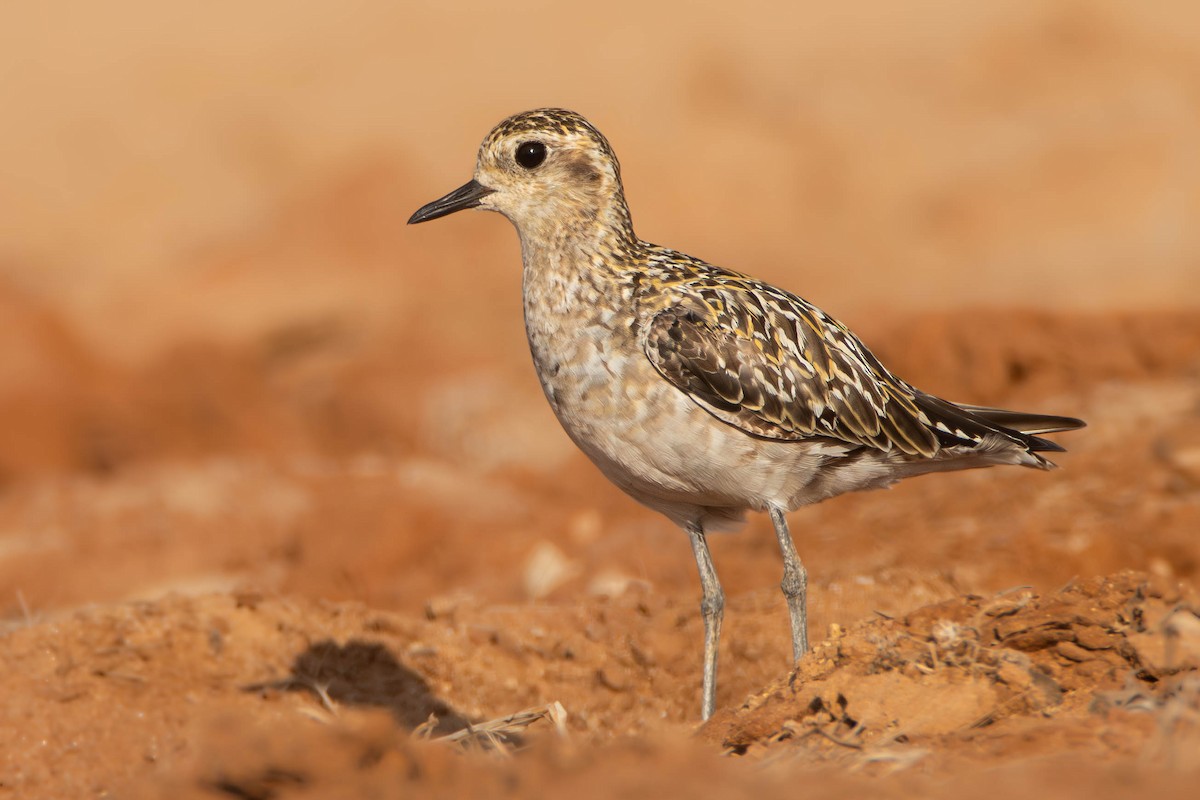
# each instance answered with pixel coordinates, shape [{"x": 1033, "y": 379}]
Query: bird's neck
[
  {"x": 571, "y": 242},
  {"x": 575, "y": 269}
]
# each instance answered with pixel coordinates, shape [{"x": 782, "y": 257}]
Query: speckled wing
[{"x": 773, "y": 365}]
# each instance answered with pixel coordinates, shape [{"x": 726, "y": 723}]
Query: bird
[{"x": 702, "y": 392}]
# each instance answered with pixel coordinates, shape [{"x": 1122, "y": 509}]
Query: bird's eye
[{"x": 530, "y": 154}]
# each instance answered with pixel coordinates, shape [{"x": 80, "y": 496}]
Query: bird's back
[{"x": 776, "y": 367}]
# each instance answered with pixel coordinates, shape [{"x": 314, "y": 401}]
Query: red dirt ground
[{"x": 281, "y": 504}]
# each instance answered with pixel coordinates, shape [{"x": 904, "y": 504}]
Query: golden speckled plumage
[{"x": 701, "y": 392}]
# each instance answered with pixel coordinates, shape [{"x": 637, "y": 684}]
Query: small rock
[
  {"x": 1090, "y": 638},
  {"x": 609, "y": 583},
  {"x": 1073, "y": 652},
  {"x": 546, "y": 570},
  {"x": 1171, "y": 647}
]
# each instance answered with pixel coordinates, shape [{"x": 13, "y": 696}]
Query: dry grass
[{"x": 500, "y": 736}]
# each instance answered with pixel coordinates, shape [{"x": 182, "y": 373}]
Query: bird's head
[{"x": 544, "y": 168}]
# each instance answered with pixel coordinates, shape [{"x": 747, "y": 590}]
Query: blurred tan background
[
  {"x": 169, "y": 170},
  {"x": 203, "y": 252}
]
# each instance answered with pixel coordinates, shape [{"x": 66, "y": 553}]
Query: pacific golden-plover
[{"x": 702, "y": 392}]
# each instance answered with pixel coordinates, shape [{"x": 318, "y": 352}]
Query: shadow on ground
[{"x": 366, "y": 675}]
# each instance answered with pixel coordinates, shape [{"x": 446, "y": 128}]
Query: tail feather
[
  {"x": 1023, "y": 421},
  {"x": 953, "y": 419}
]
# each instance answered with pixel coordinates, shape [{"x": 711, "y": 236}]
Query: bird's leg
[
  {"x": 712, "y": 608},
  {"x": 794, "y": 585}
]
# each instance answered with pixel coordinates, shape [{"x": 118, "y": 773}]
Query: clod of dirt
[{"x": 946, "y": 671}]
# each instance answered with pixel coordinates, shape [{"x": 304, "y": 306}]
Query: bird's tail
[
  {"x": 953, "y": 419},
  {"x": 1029, "y": 424}
]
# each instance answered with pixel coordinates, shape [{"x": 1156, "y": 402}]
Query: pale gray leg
[
  {"x": 794, "y": 585},
  {"x": 712, "y": 608}
]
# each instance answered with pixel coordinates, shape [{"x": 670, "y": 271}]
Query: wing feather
[
  {"x": 783, "y": 370},
  {"x": 775, "y": 366}
]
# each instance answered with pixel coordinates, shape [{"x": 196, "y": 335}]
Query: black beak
[{"x": 466, "y": 196}]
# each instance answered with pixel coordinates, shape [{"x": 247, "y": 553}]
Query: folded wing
[{"x": 776, "y": 367}]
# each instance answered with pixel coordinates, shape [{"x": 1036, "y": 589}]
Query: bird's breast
[{"x": 584, "y": 344}]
